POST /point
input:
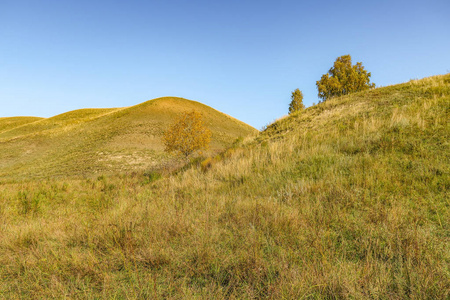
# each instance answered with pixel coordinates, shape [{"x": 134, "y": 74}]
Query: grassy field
[
  {"x": 100, "y": 141},
  {"x": 346, "y": 200}
]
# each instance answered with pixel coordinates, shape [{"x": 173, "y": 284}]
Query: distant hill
[
  {"x": 90, "y": 141},
  {"x": 12, "y": 122}
]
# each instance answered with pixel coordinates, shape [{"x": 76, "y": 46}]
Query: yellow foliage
[
  {"x": 187, "y": 134},
  {"x": 344, "y": 78}
]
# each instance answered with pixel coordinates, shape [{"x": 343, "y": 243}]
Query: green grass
[
  {"x": 346, "y": 200},
  {"x": 93, "y": 141}
]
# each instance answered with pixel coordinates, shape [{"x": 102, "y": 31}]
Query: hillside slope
[
  {"x": 346, "y": 200},
  {"x": 9, "y": 123},
  {"x": 89, "y": 141}
]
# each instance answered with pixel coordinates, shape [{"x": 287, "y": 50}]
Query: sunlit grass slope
[
  {"x": 89, "y": 141},
  {"x": 346, "y": 200},
  {"x": 12, "y": 122}
]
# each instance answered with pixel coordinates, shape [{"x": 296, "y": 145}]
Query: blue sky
[{"x": 242, "y": 57}]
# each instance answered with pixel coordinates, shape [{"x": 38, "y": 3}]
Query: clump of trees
[
  {"x": 187, "y": 134},
  {"x": 344, "y": 78},
  {"x": 296, "y": 101}
]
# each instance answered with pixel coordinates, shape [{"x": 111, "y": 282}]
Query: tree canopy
[
  {"x": 343, "y": 79},
  {"x": 187, "y": 134},
  {"x": 296, "y": 101}
]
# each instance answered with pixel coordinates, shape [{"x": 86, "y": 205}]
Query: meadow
[{"x": 348, "y": 199}]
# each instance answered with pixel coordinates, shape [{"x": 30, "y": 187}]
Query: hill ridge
[{"x": 133, "y": 131}]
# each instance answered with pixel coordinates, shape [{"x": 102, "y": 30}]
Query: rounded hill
[{"x": 90, "y": 141}]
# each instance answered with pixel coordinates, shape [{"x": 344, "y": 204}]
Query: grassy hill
[
  {"x": 346, "y": 200},
  {"x": 90, "y": 141},
  {"x": 10, "y": 123}
]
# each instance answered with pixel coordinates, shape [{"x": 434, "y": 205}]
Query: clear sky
[{"x": 242, "y": 57}]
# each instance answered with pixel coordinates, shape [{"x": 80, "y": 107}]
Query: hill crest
[{"x": 88, "y": 141}]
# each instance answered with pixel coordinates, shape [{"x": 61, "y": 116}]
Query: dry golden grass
[
  {"x": 13, "y": 122},
  {"x": 96, "y": 141},
  {"x": 346, "y": 200}
]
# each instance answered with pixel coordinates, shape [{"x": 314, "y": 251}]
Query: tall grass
[{"x": 348, "y": 199}]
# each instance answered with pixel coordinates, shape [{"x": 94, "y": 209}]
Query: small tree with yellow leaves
[
  {"x": 344, "y": 78},
  {"x": 187, "y": 134},
  {"x": 296, "y": 101}
]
